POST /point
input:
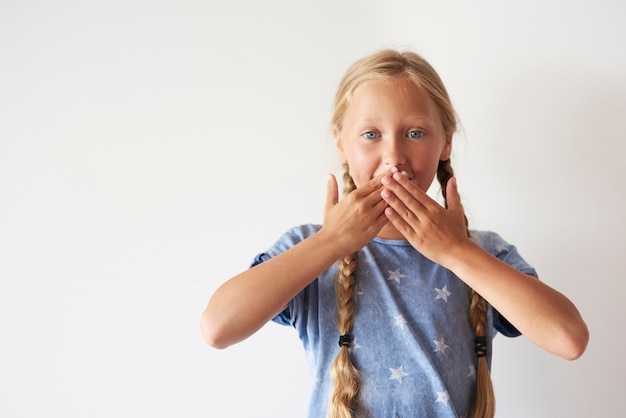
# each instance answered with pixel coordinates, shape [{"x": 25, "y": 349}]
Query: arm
[
  {"x": 542, "y": 314},
  {"x": 243, "y": 304},
  {"x": 246, "y": 302}
]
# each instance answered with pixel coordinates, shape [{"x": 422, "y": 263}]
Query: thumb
[
  {"x": 452, "y": 197},
  {"x": 332, "y": 195}
]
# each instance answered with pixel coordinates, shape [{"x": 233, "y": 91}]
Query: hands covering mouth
[{"x": 404, "y": 173}]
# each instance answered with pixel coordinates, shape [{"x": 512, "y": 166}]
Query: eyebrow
[{"x": 410, "y": 118}]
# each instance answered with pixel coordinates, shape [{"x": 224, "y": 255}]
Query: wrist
[
  {"x": 331, "y": 242},
  {"x": 463, "y": 257}
]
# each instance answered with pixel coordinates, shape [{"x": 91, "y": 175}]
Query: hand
[
  {"x": 434, "y": 231},
  {"x": 356, "y": 220}
]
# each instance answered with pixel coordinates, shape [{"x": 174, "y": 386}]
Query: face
[{"x": 392, "y": 123}]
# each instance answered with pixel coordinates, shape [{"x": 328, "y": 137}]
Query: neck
[{"x": 390, "y": 232}]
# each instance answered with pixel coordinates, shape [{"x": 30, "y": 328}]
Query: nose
[{"x": 393, "y": 153}]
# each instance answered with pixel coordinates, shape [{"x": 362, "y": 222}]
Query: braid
[
  {"x": 348, "y": 182},
  {"x": 484, "y": 401},
  {"x": 346, "y": 377}
]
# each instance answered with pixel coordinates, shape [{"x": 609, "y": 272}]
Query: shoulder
[
  {"x": 490, "y": 241},
  {"x": 502, "y": 249},
  {"x": 299, "y": 233},
  {"x": 288, "y": 239}
]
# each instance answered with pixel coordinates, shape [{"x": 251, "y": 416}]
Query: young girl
[{"x": 395, "y": 300}]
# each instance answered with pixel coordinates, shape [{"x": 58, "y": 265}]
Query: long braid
[
  {"x": 346, "y": 377},
  {"x": 484, "y": 400}
]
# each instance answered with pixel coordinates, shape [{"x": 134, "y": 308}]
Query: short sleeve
[
  {"x": 503, "y": 326},
  {"x": 497, "y": 246},
  {"x": 282, "y": 318},
  {"x": 289, "y": 239}
]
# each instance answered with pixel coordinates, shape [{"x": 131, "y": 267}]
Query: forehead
[{"x": 394, "y": 95}]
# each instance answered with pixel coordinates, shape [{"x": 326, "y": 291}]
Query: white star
[
  {"x": 354, "y": 346},
  {"x": 398, "y": 374},
  {"x": 441, "y": 346},
  {"x": 499, "y": 247},
  {"x": 395, "y": 275},
  {"x": 400, "y": 321},
  {"x": 472, "y": 371},
  {"x": 443, "y": 293},
  {"x": 443, "y": 397}
]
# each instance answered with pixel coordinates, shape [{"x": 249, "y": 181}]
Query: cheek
[
  {"x": 362, "y": 166},
  {"x": 359, "y": 175},
  {"x": 425, "y": 171},
  {"x": 424, "y": 182}
]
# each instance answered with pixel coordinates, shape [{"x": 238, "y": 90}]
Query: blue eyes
[
  {"x": 375, "y": 135},
  {"x": 370, "y": 135},
  {"x": 416, "y": 134}
]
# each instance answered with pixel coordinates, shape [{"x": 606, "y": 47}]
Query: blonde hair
[{"x": 345, "y": 400}]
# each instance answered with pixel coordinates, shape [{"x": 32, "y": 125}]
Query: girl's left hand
[{"x": 436, "y": 232}]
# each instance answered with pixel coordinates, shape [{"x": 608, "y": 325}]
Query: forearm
[
  {"x": 246, "y": 302},
  {"x": 542, "y": 314}
]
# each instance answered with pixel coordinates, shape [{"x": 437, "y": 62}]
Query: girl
[{"x": 395, "y": 300}]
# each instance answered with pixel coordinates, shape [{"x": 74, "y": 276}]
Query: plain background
[{"x": 149, "y": 149}]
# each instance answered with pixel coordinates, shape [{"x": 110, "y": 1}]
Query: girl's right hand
[{"x": 355, "y": 220}]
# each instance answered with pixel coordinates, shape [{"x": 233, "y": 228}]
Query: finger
[
  {"x": 369, "y": 193},
  {"x": 413, "y": 189},
  {"x": 401, "y": 207},
  {"x": 406, "y": 192},
  {"x": 452, "y": 197},
  {"x": 381, "y": 218},
  {"x": 332, "y": 193},
  {"x": 379, "y": 205},
  {"x": 374, "y": 184},
  {"x": 398, "y": 222}
]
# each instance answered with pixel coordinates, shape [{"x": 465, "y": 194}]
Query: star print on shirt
[
  {"x": 354, "y": 345},
  {"x": 499, "y": 248},
  {"x": 443, "y": 397},
  {"x": 400, "y": 321},
  {"x": 398, "y": 374},
  {"x": 395, "y": 275},
  {"x": 443, "y": 293},
  {"x": 441, "y": 346},
  {"x": 472, "y": 371}
]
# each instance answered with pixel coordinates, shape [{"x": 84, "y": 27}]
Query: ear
[
  {"x": 340, "y": 153},
  {"x": 447, "y": 148}
]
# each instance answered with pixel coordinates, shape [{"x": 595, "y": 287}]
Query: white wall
[{"x": 149, "y": 149}]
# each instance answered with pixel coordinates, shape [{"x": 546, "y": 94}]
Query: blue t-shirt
[{"x": 413, "y": 342}]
